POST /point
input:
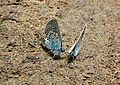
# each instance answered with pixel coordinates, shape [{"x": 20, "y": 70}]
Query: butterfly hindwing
[
  {"x": 74, "y": 50},
  {"x": 52, "y": 39}
]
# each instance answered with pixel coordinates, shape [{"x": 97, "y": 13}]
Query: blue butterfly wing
[
  {"x": 74, "y": 50},
  {"x": 52, "y": 39}
]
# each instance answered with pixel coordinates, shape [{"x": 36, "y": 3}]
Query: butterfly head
[{"x": 71, "y": 57}]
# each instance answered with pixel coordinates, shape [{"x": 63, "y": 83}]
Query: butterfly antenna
[
  {"x": 43, "y": 29},
  {"x": 53, "y": 57},
  {"x": 39, "y": 33}
]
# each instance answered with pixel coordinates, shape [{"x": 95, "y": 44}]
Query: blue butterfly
[
  {"x": 52, "y": 39},
  {"x": 74, "y": 50}
]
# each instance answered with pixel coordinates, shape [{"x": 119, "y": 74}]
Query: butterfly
[
  {"x": 74, "y": 50},
  {"x": 52, "y": 37}
]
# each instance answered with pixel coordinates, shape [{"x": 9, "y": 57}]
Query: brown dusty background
[{"x": 24, "y": 62}]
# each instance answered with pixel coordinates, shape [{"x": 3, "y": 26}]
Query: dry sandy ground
[{"x": 24, "y": 62}]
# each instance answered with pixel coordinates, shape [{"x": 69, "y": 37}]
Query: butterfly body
[
  {"x": 52, "y": 39},
  {"x": 74, "y": 50}
]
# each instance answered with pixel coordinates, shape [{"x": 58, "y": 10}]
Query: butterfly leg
[
  {"x": 49, "y": 52},
  {"x": 62, "y": 50}
]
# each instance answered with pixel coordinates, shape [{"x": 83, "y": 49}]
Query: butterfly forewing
[
  {"x": 74, "y": 50},
  {"x": 52, "y": 39}
]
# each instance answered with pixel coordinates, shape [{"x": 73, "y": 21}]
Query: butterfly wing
[
  {"x": 52, "y": 39},
  {"x": 74, "y": 50}
]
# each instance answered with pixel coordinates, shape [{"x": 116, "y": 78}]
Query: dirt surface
[{"x": 24, "y": 62}]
